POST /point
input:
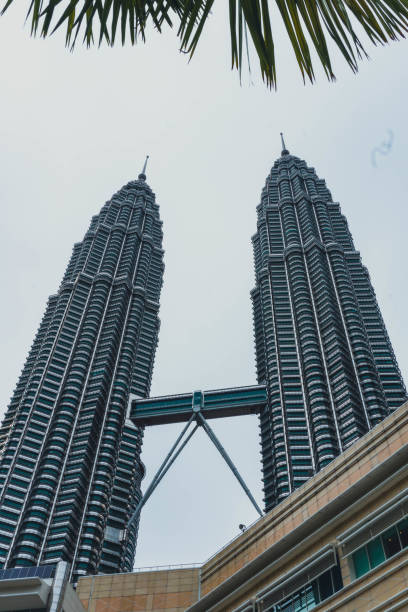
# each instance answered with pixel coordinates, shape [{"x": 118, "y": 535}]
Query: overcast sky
[{"x": 74, "y": 127}]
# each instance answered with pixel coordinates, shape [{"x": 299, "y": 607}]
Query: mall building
[{"x": 338, "y": 543}]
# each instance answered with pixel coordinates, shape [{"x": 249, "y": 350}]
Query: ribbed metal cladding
[
  {"x": 321, "y": 345},
  {"x": 70, "y": 469}
]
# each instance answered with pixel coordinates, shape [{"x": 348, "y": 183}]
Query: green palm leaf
[{"x": 308, "y": 23}]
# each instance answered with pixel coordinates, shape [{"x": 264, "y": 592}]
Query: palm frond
[{"x": 308, "y": 23}]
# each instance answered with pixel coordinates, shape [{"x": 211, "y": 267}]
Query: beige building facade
[
  {"x": 339, "y": 543},
  {"x": 173, "y": 590}
]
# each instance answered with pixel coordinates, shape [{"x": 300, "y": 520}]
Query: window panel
[
  {"x": 360, "y": 561},
  {"x": 403, "y": 532},
  {"x": 376, "y": 553},
  {"x": 391, "y": 542}
]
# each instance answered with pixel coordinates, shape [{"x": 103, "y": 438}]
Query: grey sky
[{"x": 75, "y": 127}]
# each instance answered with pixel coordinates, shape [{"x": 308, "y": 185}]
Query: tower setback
[
  {"x": 70, "y": 468},
  {"x": 321, "y": 344}
]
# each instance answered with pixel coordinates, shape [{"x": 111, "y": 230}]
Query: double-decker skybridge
[{"x": 195, "y": 409}]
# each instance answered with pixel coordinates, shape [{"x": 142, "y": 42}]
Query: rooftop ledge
[{"x": 24, "y": 593}]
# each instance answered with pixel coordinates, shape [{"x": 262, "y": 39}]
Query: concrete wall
[{"x": 156, "y": 591}]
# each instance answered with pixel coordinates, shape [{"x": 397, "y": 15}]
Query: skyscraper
[
  {"x": 321, "y": 345},
  {"x": 70, "y": 468}
]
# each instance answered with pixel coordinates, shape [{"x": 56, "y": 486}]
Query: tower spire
[
  {"x": 142, "y": 175},
  {"x": 284, "y": 149}
]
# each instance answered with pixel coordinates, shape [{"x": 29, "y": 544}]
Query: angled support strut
[
  {"x": 227, "y": 458},
  {"x": 163, "y": 469},
  {"x": 175, "y": 452}
]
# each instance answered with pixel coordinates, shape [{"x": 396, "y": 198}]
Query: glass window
[
  {"x": 384, "y": 546},
  {"x": 325, "y": 585},
  {"x": 403, "y": 532},
  {"x": 337, "y": 579},
  {"x": 360, "y": 560},
  {"x": 311, "y": 594},
  {"x": 375, "y": 552},
  {"x": 391, "y": 542}
]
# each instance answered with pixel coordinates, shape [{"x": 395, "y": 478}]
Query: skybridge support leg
[
  {"x": 163, "y": 469},
  {"x": 175, "y": 452},
  {"x": 202, "y": 421}
]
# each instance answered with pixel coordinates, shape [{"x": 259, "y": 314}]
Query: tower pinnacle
[
  {"x": 284, "y": 149},
  {"x": 142, "y": 175}
]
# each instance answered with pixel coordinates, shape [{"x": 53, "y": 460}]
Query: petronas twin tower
[
  {"x": 70, "y": 468},
  {"x": 321, "y": 344}
]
